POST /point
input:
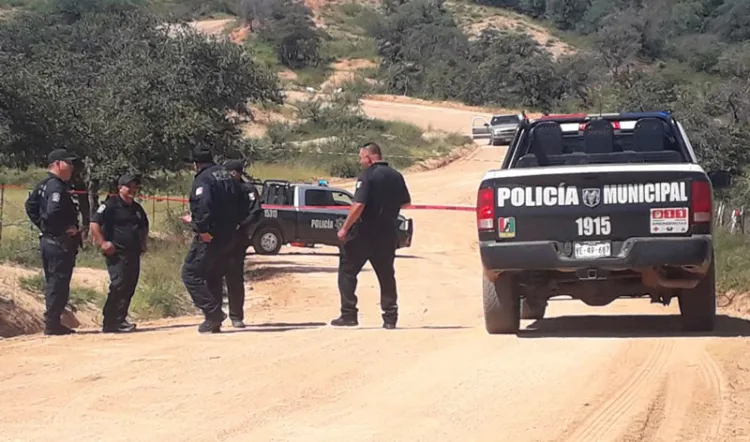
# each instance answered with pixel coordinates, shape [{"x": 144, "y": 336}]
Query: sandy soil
[
  {"x": 212, "y": 27},
  {"x": 21, "y": 311},
  {"x": 617, "y": 373},
  {"x": 345, "y": 70},
  {"x": 452, "y": 117}
]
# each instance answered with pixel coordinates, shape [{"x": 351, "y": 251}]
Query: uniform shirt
[
  {"x": 383, "y": 191},
  {"x": 125, "y": 225},
  {"x": 50, "y": 206},
  {"x": 218, "y": 202}
]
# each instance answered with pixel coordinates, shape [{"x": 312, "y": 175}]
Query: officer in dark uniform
[
  {"x": 120, "y": 229},
  {"x": 217, "y": 206},
  {"x": 235, "y": 277},
  {"x": 50, "y": 207},
  {"x": 380, "y": 194}
]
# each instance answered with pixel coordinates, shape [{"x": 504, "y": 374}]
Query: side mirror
[
  {"x": 486, "y": 124},
  {"x": 720, "y": 179}
]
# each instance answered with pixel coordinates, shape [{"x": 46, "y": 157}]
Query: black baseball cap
[
  {"x": 200, "y": 155},
  {"x": 127, "y": 179},
  {"x": 61, "y": 155},
  {"x": 236, "y": 165}
]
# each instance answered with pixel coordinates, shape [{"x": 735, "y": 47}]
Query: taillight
[
  {"x": 700, "y": 201},
  {"x": 486, "y": 208}
]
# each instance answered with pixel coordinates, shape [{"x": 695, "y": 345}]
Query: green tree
[
  {"x": 290, "y": 29},
  {"x": 121, "y": 89}
]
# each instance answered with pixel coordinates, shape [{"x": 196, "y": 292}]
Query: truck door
[
  {"x": 278, "y": 201},
  {"x": 320, "y": 225}
]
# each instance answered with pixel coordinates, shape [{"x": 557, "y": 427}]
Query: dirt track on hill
[{"x": 617, "y": 373}]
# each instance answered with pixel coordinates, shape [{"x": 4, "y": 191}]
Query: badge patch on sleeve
[
  {"x": 199, "y": 191},
  {"x": 359, "y": 184},
  {"x": 56, "y": 197},
  {"x": 101, "y": 208},
  {"x": 252, "y": 196}
]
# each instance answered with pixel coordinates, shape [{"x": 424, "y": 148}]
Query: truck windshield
[
  {"x": 503, "y": 119},
  {"x": 551, "y": 143}
]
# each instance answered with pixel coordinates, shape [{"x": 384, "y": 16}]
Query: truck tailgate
[{"x": 593, "y": 203}]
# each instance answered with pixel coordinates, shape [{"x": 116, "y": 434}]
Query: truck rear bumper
[{"x": 632, "y": 253}]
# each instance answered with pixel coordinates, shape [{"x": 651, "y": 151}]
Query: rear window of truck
[{"x": 553, "y": 143}]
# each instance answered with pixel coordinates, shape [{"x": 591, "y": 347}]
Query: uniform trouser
[
  {"x": 380, "y": 250},
  {"x": 58, "y": 260},
  {"x": 202, "y": 272},
  {"x": 235, "y": 279},
  {"x": 124, "y": 270}
]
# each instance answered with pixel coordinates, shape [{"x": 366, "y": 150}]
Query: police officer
[
  {"x": 217, "y": 206},
  {"x": 50, "y": 207},
  {"x": 235, "y": 277},
  {"x": 120, "y": 229},
  {"x": 380, "y": 194}
]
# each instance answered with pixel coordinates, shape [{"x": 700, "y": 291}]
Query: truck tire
[
  {"x": 698, "y": 305},
  {"x": 267, "y": 240},
  {"x": 502, "y": 308},
  {"x": 533, "y": 309}
]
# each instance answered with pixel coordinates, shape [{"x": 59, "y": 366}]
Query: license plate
[{"x": 592, "y": 250}]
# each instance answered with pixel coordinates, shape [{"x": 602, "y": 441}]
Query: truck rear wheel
[
  {"x": 533, "y": 309},
  {"x": 698, "y": 305},
  {"x": 267, "y": 241},
  {"x": 502, "y": 308}
]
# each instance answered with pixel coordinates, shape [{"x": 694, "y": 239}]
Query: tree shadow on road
[
  {"x": 261, "y": 272},
  {"x": 275, "y": 327},
  {"x": 631, "y": 326},
  {"x": 292, "y": 254},
  {"x": 263, "y": 327},
  {"x": 423, "y": 327}
]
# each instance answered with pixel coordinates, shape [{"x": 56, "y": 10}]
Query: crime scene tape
[{"x": 460, "y": 208}]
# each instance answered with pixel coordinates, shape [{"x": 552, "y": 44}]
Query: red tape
[
  {"x": 463, "y": 208},
  {"x": 346, "y": 208}
]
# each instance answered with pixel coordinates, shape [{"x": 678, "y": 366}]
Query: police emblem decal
[
  {"x": 591, "y": 197},
  {"x": 339, "y": 223}
]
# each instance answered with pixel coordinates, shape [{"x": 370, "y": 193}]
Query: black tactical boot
[
  {"x": 124, "y": 327},
  {"x": 58, "y": 330},
  {"x": 209, "y": 326},
  {"x": 345, "y": 321}
]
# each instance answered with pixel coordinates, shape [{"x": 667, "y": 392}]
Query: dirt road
[{"x": 440, "y": 377}]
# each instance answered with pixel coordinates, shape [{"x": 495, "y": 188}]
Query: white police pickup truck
[{"x": 597, "y": 207}]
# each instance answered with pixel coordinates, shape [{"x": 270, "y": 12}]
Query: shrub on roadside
[
  {"x": 160, "y": 292},
  {"x": 732, "y": 262}
]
